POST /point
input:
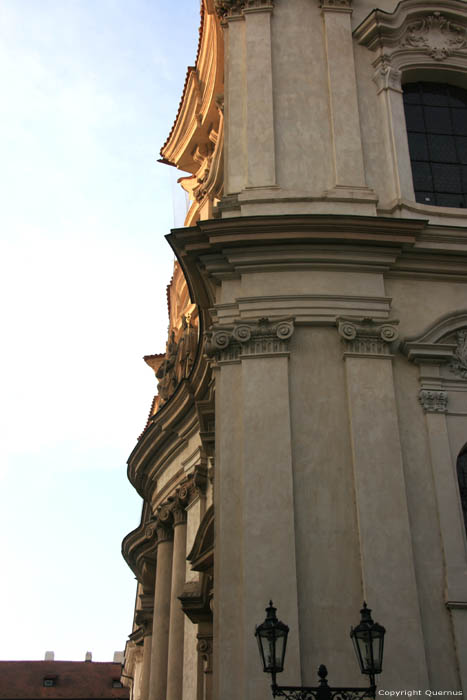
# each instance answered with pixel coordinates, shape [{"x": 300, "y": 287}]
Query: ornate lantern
[
  {"x": 368, "y": 639},
  {"x": 272, "y": 642}
]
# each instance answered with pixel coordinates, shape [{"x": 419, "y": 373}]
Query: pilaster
[
  {"x": 253, "y": 466},
  {"x": 349, "y": 177},
  {"x": 388, "y": 574}
]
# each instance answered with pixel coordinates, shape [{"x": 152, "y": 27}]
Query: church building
[{"x": 308, "y": 440}]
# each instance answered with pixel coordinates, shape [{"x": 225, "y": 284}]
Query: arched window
[
  {"x": 436, "y": 118},
  {"x": 462, "y": 478}
]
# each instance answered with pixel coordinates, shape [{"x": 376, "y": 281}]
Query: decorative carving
[
  {"x": 458, "y": 364},
  {"x": 433, "y": 401},
  {"x": 164, "y": 523},
  {"x": 204, "y": 649},
  {"x": 366, "y": 336},
  {"x": 436, "y": 35},
  {"x": 177, "y": 361},
  {"x": 386, "y": 76},
  {"x": 248, "y": 339}
]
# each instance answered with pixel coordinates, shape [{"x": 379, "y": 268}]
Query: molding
[
  {"x": 244, "y": 339},
  {"x": 456, "y": 604},
  {"x": 201, "y": 555},
  {"x": 416, "y": 35},
  {"x": 313, "y": 309},
  {"x": 366, "y": 337},
  {"x": 433, "y": 401},
  {"x": 427, "y": 347}
]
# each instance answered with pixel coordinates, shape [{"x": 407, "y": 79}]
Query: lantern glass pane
[
  {"x": 280, "y": 652},
  {"x": 378, "y": 653}
]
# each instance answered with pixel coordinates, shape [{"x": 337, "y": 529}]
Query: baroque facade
[{"x": 308, "y": 442}]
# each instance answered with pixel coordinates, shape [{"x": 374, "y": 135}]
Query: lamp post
[{"x": 368, "y": 639}]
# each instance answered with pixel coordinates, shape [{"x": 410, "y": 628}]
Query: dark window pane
[
  {"x": 436, "y": 117},
  {"x": 434, "y": 94},
  {"x": 442, "y": 148},
  {"x": 414, "y": 118},
  {"x": 459, "y": 120},
  {"x": 461, "y": 144},
  {"x": 464, "y": 179},
  {"x": 421, "y": 176},
  {"x": 446, "y": 178},
  {"x": 425, "y": 197},
  {"x": 412, "y": 93},
  {"x": 462, "y": 479},
  {"x": 438, "y": 120},
  {"x": 449, "y": 200},
  {"x": 418, "y": 147},
  {"x": 457, "y": 97}
]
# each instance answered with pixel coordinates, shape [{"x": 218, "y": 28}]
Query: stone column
[
  {"x": 177, "y": 617},
  {"x": 161, "y": 623},
  {"x": 146, "y": 661},
  {"x": 144, "y": 619},
  {"x": 388, "y": 574},
  {"x": 342, "y": 86}
]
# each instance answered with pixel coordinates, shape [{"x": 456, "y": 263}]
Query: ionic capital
[
  {"x": 364, "y": 336},
  {"x": 233, "y": 9},
  {"x": 336, "y": 5},
  {"x": 433, "y": 401},
  {"x": 194, "y": 485},
  {"x": 164, "y": 524},
  {"x": 245, "y": 339},
  {"x": 178, "y": 510}
]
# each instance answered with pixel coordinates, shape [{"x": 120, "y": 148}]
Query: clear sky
[{"x": 89, "y": 91}]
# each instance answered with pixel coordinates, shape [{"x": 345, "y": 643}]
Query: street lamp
[{"x": 368, "y": 639}]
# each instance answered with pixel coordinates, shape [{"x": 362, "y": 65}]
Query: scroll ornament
[
  {"x": 366, "y": 336},
  {"x": 246, "y": 339}
]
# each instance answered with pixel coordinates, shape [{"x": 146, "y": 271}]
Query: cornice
[
  {"x": 169, "y": 428},
  {"x": 440, "y": 343},
  {"x": 139, "y": 548},
  {"x": 198, "y": 110}
]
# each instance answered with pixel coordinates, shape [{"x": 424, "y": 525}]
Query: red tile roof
[{"x": 24, "y": 680}]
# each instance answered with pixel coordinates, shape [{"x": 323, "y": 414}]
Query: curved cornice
[
  {"x": 431, "y": 345},
  {"x": 139, "y": 548},
  {"x": 198, "y": 110}
]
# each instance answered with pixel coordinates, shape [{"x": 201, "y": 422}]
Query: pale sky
[{"x": 89, "y": 92}]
